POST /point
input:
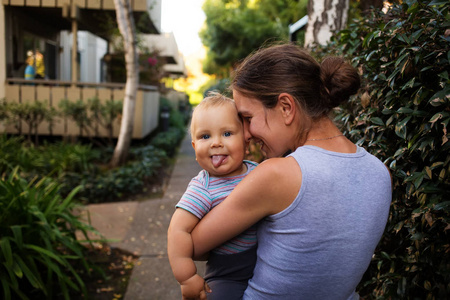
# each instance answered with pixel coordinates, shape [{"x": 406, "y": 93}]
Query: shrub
[
  {"x": 111, "y": 185},
  {"x": 54, "y": 159},
  {"x": 178, "y": 116},
  {"x": 37, "y": 240},
  {"x": 75, "y": 164},
  {"x": 168, "y": 140},
  {"x": 402, "y": 117}
]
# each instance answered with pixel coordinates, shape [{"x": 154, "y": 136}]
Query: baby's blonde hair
[{"x": 212, "y": 99}]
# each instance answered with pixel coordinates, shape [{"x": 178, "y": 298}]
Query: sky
[{"x": 184, "y": 18}]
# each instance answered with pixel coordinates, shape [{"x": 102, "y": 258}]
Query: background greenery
[
  {"x": 37, "y": 237},
  {"x": 41, "y": 189},
  {"x": 402, "y": 116}
]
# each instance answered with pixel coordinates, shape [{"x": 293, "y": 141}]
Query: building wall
[
  {"x": 2, "y": 51},
  {"x": 146, "y": 116},
  {"x": 92, "y": 49}
]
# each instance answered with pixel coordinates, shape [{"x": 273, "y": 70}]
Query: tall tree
[
  {"x": 127, "y": 28},
  {"x": 324, "y": 17},
  {"x": 235, "y": 28}
]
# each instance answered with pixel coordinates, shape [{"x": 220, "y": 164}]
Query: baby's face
[{"x": 218, "y": 140}]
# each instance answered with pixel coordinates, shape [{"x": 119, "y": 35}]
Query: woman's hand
[{"x": 194, "y": 288}]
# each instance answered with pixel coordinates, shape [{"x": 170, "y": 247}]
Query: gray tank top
[{"x": 321, "y": 245}]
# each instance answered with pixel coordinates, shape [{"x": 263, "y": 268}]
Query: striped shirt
[{"x": 204, "y": 192}]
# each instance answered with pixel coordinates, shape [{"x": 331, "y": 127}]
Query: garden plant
[
  {"x": 402, "y": 116},
  {"x": 41, "y": 189}
]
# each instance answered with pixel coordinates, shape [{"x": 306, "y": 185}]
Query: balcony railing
[{"x": 53, "y": 92}]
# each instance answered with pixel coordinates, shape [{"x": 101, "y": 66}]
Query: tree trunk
[
  {"x": 127, "y": 28},
  {"x": 324, "y": 17}
]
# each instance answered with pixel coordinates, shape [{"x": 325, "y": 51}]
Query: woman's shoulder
[
  {"x": 278, "y": 180},
  {"x": 277, "y": 164}
]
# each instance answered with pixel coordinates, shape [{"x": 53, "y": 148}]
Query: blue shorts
[{"x": 228, "y": 275}]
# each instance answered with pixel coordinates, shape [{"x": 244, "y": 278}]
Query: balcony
[{"x": 53, "y": 92}]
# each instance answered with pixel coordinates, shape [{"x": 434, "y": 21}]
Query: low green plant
[
  {"x": 111, "y": 185},
  {"x": 105, "y": 114},
  {"x": 168, "y": 140},
  {"x": 3, "y": 110},
  {"x": 37, "y": 240},
  {"x": 402, "y": 116},
  {"x": 53, "y": 159},
  {"x": 78, "y": 112}
]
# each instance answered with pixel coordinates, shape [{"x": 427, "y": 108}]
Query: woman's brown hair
[{"x": 287, "y": 68}]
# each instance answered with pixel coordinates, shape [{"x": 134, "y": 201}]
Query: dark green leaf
[
  {"x": 442, "y": 206},
  {"x": 32, "y": 278},
  {"x": 377, "y": 121},
  {"x": 6, "y": 250}
]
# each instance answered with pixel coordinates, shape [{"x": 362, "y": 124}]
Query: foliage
[
  {"x": 75, "y": 164},
  {"x": 402, "y": 117},
  {"x": 150, "y": 63},
  {"x": 112, "y": 185},
  {"x": 236, "y": 28},
  {"x": 54, "y": 159},
  {"x": 78, "y": 112},
  {"x": 105, "y": 114},
  {"x": 167, "y": 139},
  {"x": 37, "y": 240},
  {"x": 3, "y": 110},
  {"x": 178, "y": 116},
  {"x": 220, "y": 86},
  {"x": 88, "y": 115},
  {"x": 32, "y": 113}
]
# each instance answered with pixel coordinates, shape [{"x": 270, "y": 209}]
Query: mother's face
[{"x": 262, "y": 125}]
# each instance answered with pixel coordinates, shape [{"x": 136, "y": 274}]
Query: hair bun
[{"x": 340, "y": 80}]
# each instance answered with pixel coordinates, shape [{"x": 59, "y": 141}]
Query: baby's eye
[
  {"x": 227, "y": 133},
  {"x": 205, "y": 136}
]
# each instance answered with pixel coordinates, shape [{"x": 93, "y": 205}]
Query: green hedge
[
  {"x": 402, "y": 116},
  {"x": 37, "y": 239},
  {"x": 112, "y": 185}
]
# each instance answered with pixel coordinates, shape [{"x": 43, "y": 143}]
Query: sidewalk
[{"x": 141, "y": 228}]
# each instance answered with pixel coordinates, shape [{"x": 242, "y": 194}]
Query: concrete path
[{"x": 141, "y": 228}]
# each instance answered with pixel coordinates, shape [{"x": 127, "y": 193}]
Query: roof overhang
[{"x": 98, "y": 16}]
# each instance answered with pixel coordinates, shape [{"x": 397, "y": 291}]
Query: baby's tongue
[{"x": 217, "y": 160}]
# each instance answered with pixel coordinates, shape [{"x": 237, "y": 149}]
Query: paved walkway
[{"x": 141, "y": 228}]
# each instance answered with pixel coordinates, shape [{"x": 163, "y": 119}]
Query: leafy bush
[
  {"x": 75, "y": 164},
  {"x": 178, "y": 116},
  {"x": 37, "y": 240},
  {"x": 89, "y": 116},
  {"x": 105, "y": 114},
  {"x": 402, "y": 117},
  {"x": 32, "y": 113},
  {"x": 169, "y": 140},
  {"x": 111, "y": 185},
  {"x": 50, "y": 158}
]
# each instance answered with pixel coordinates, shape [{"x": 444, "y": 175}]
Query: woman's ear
[{"x": 288, "y": 107}]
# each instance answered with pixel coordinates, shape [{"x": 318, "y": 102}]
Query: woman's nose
[{"x": 247, "y": 135}]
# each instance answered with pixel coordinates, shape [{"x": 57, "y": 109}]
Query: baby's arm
[{"x": 180, "y": 249}]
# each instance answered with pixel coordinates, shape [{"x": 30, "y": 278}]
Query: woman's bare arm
[{"x": 268, "y": 189}]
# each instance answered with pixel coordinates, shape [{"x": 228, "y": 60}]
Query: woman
[{"x": 323, "y": 202}]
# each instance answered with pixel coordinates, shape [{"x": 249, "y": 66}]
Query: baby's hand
[{"x": 194, "y": 288}]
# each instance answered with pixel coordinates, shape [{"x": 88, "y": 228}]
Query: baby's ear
[{"x": 193, "y": 144}]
